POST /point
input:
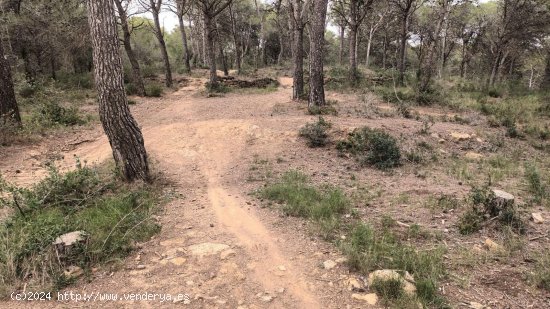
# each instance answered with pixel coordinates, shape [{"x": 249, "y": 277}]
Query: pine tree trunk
[
  {"x": 316, "y": 53},
  {"x": 341, "y": 49},
  {"x": 402, "y": 50},
  {"x": 122, "y": 130},
  {"x": 353, "y": 53},
  {"x": 9, "y": 111},
  {"x": 298, "y": 81},
  {"x": 186, "y": 56},
  {"x": 163, "y": 51},
  {"x": 235, "y": 40},
  {"x": 545, "y": 85},
  {"x": 211, "y": 55},
  {"x": 126, "y": 38}
]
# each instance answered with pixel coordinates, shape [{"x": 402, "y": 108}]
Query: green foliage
[
  {"x": 391, "y": 289},
  {"x": 372, "y": 147},
  {"x": 113, "y": 216},
  {"x": 368, "y": 249},
  {"x": 541, "y": 274},
  {"x": 51, "y": 113},
  {"x": 470, "y": 222},
  {"x": 316, "y": 133},
  {"x": 153, "y": 90},
  {"x": 535, "y": 184},
  {"x": 301, "y": 199}
]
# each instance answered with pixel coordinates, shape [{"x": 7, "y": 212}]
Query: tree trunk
[
  {"x": 9, "y": 111},
  {"x": 164, "y": 52},
  {"x": 211, "y": 55},
  {"x": 463, "y": 60},
  {"x": 222, "y": 54},
  {"x": 341, "y": 50},
  {"x": 495, "y": 68},
  {"x": 402, "y": 50},
  {"x": 545, "y": 85},
  {"x": 369, "y": 44},
  {"x": 122, "y": 130},
  {"x": 186, "y": 56},
  {"x": 126, "y": 39},
  {"x": 235, "y": 40},
  {"x": 298, "y": 81},
  {"x": 353, "y": 53},
  {"x": 281, "y": 46},
  {"x": 316, "y": 53}
]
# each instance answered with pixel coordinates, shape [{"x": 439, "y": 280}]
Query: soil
[{"x": 216, "y": 151}]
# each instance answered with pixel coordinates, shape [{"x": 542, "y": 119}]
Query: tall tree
[
  {"x": 137, "y": 78},
  {"x": 405, "y": 9},
  {"x": 236, "y": 40},
  {"x": 352, "y": 12},
  {"x": 298, "y": 11},
  {"x": 181, "y": 8},
  {"x": 122, "y": 130},
  {"x": 155, "y": 7},
  {"x": 210, "y": 9},
  {"x": 9, "y": 111},
  {"x": 316, "y": 53}
]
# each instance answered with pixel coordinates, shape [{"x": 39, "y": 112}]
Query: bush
[
  {"x": 27, "y": 90},
  {"x": 113, "y": 216},
  {"x": 51, "y": 113},
  {"x": 372, "y": 147},
  {"x": 316, "y": 133},
  {"x": 153, "y": 90}
]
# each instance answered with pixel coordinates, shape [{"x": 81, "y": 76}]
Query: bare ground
[{"x": 206, "y": 147}]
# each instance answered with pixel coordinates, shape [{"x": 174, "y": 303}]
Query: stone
[
  {"x": 224, "y": 255},
  {"x": 460, "y": 136},
  {"x": 73, "y": 272},
  {"x": 370, "y": 298},
  {"x": 207, "y": 248},
  {"x": 475, "y": 305},
  {"x": 473, "y": 156},
  {"x": 441, "y": 140},
  {"x": 70, "y": 239},
  {"x": 493, "y": 246},
  {"x": 267, "y": 298},
  {"x": 537, "y": 217},
  {"x": 354, "y": 284},
  {"x": 329, "y": 264},
  {"x": 389, "y": 274},
  {"x": 140, "y": 267},
  {"x": 178, "y": 261},
  {"x": 342, "y": 260},
  {"x": 281, "y": 268}
]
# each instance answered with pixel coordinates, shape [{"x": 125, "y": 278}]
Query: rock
[
  {"x": 460, "y": 136},
  {"x": 434, "y": 135},
  {"x": 389, "y": 274},
  {"x": 140, "y": 267},
  {"x": 70, "y": 239},
  {"x": 342, "y": 260},
  {"x": 473, "y": 156},
  {"x": 371, "y": 298},
  {"x": 441, "y": 141},
  {"x": 354, "y": 284},
  {"x": 281, "y": 290},
  {"x": 73, "y": 272},
  {"x": 329, "y": 264},
  {"x": 537, "y": 217},
  {"x": 178, "y": 261},
  {"x": 493, "y": 246},
  {"x": 207, "y": 248},
  {"x": 267, "y": 298},
  {"x": 475, "y": 305},
  {"x": 227, "y": 253},
  {"x": 281, "y": 268}
]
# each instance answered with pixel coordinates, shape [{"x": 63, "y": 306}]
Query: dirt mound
[{"x": 256, "y": 83}]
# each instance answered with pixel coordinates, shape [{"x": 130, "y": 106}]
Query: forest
[{"x": 275, "y": 153}]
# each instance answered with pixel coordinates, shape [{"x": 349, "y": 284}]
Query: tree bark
[
  {"x": 353, "y": 75},
  {"x": 402, "y": 50},
  {"x": 211, "y": 55},
  {"x": 9, "y": 111},
  {"x": 187, "y": 55},
  {"x": 545, "y": 85},
  {"x": 137, "y": 78},
  {"x": 235, "y": 40},
  {"x": 122, "y": 130},
  {"x": 316, "y": 53},
  {"x": 298, "y": 81},
  {"x": 162, "y": 45},
  {"x": 341, "y": 49}
]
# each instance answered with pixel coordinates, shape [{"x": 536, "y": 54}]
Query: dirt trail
[{"x": 214, "y": 246}]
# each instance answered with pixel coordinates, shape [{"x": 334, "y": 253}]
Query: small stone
[
  {"x": 473, "y": 156},
  {"x": 211, "y": 224},
  {"x": 207, "y": 249},
  {"x": 371, "y": 298},
  {"x": 73, "y": 272},
  {"x": 329, "y": 264},
  {"x": 341, "y": 260},
  {"x": 492, "y": 246},
  {"x": 475, "y": 305},
  {"x": 189, "y": 282},
  {"x": 354, "y": 285},
  {"x": 267, "y": 298},
  {"x": 141, "y": 266},
  {"x": 434, "y": 135},
  {"x": 227, "y": 253},
  {"x": 282, "y": 268},
  {"x": 281, "y": 290},
  {"x": 441, "y": 140},
  {"x": 389, "y": 274},
  {"x": 537, "y": 217},
  {"x": 460, "y": 136},
  {"x": 178, "y": 261},
  {"x": 70, "y": 239}
]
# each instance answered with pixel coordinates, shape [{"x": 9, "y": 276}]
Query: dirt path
[{"x": 215, "y": 246}]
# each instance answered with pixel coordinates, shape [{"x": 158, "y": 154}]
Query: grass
[
  {"x": 316, "y": 133},
  {"x": 541, "y": 274},
  {"x": 115, "y": 216},
  {"x": 322, "y": 205},
  {"x": 535, "y": 184},
  {"x": 372, "y": 147},
  {"x": 369, "y": 249}
]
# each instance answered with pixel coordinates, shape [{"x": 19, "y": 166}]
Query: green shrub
[
  {"x": 303, "y": 200},
  {"x": 153, "y": 90},
  {"x": 372, "y": 147},
  {"x": 494, "y": 93},
  {"x": 113, "y": 216},
  {"x": 131, "y": 89},
  {"x": 316, "y": 133},
  {"x": 52, "y": 113},
  {"x": 541, "y": 274},
  {"x": 470, "y": 222},
  {"x": 27, "y": 90},
  {"x": 535, "y": 184}
]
